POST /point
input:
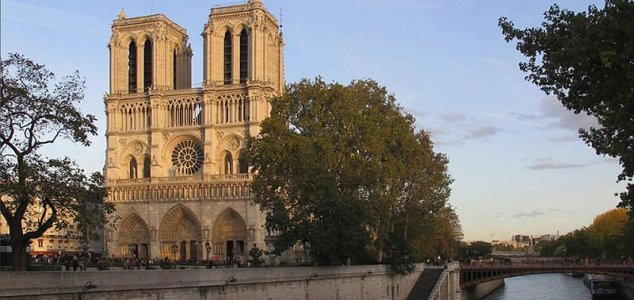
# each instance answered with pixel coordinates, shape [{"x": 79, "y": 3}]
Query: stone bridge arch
[{"x": 180, "y": 235}]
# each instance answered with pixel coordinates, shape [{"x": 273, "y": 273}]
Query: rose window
[{"x": 187, "y": 157}]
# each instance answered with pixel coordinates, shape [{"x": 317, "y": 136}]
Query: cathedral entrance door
[
  {"x": 229, "y": 250},
  {"x": 143, "y": 251},
  {"x": 183, "y": 250},
  {"x": 193, "y": 250}
]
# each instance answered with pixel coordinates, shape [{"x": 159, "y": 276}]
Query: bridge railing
[{"x": 545, "y": 262}]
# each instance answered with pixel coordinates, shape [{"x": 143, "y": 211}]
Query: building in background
[{"x": 175, "y": 163}]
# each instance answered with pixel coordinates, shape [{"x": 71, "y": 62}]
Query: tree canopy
[
  {"x": 37, "y": 192},
  {"x": 605, "y": 237},
  {"x": 342, "y": 170},
  {"x": 586, "y": 59}
]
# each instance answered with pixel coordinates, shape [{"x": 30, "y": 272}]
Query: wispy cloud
[
  {"x": 454, "y": 117},
  {"x": 554, "y": 166},
  {"x": 552, "y": 114},
  {"x": 459, "y": 128},
  {"x": 495, "y": 62},
  {"x": 560, "y": 117},
  {"x": 481, "y": 132},
  {"x": 570, "y": 138},
  {"x": 531, "y": 214}
]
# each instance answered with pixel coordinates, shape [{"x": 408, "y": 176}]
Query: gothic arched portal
[
  {"x": 180, "y": 234},
  {"x": 229, "y": 235},
  {"x": 134, "y": 237}
]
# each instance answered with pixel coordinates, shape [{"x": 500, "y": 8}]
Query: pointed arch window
[
  {"x": 147, "y": 163},
  {"x": 228, "y": 163},
  {"x": 243, "y": 167},
  {"x": 147, "y": 65},
  {"x": 244, "y": 55},
  {"x": 133, "y": 168},
  {"x": 132, "y": 68},
  {"x": 227, "y": 57}
]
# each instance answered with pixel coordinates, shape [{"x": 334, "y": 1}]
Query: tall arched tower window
[
  {"x": 228, "y": 163},
  {"x": 133, "y": 168},
  {"x": 174, "y": 69},
  {"x": 132, "y": 68},
  {"x": 147, "y": 65},
  {"x": 244, "y": 55},
  {"x": 227, "y": 57},
  {"x": 146, "y": 167}
]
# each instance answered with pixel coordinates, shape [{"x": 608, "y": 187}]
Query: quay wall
[
  {"x": 340, "y": 282},
  {"x": 481, "y": 290}
]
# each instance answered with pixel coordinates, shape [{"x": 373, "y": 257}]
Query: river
[{"x": 541, "y": 286}]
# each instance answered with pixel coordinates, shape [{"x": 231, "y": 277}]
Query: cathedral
[{"x": 175, "y": 165}]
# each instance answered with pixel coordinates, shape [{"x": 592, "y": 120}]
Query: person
[{"x": 75, "y": 263}]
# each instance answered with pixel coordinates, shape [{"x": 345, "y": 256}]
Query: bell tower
[
  {"x": 243, "y": 43},
  {"x": 149, "y": 52}
]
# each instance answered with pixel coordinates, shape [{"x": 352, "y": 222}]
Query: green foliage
[
  {"x": 341, "y": 168},
  {"x": 607, "y": 237},
  {"x": 256, "y": 256},
  {"x": 586, "y": 60},
  {"x": 37, "y": 192}
]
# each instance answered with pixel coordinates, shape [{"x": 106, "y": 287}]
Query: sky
[{"x": 514, "y": 153}]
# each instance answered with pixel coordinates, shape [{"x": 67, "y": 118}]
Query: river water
[{"x": 541, "y": 286}]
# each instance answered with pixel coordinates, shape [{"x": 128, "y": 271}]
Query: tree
[
  {"x": 36, "y": 192},
  {"x": 342, "y": 169},
  {"x": 605, "y": 235},
  {"x": 586, "y": 59}
]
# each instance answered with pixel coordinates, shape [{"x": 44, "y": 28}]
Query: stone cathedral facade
[{"x": 175, "y": 164}]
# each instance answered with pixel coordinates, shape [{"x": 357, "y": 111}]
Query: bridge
[{"x": 474, "y": 274}]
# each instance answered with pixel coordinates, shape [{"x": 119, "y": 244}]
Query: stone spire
[{"x": 121, "y": 14}]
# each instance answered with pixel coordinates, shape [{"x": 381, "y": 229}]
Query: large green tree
[
  {"x": 343, "y": 170},
  {"x": 38, "y": 193},
  {"x": 586, "y": 59}
]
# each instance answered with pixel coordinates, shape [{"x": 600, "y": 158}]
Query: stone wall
[
  {"x": 481, "y": 290},
  {"x": 341, "y": 282}
]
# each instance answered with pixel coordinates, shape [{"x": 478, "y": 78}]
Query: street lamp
[
  {"x": 229, "y": 280},
  {"x": 87, "y": 286}
]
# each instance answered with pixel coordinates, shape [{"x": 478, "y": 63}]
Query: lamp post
[
  {"x": 229, "y": 280},
  {"x": 87, "y": 286}
]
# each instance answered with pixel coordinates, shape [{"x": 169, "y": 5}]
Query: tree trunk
[{"x": 18, "y": 255}]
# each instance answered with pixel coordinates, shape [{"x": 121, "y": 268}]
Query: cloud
[
  {"x": 531, "y": 214},
  {"x": 478, "y": 132},
  {"x": 554, "y": 166},
  {"x": 551, "y": 114},
  {"x": 563, "y": 139},
  {"x": 495, "y": 62},
  {"x": 454, "y": 117},
  {"x": 525, "y": 117},
  {"x": 560, "y": 117}
]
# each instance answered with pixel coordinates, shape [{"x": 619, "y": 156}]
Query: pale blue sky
[{"x": 517, "y": 163}]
